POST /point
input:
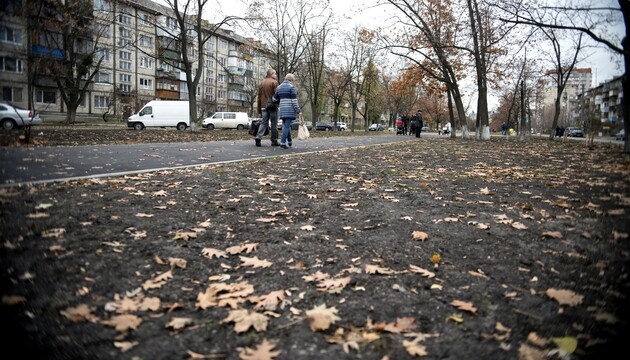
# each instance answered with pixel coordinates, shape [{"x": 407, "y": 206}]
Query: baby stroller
[{"x": 399, "y": 127}]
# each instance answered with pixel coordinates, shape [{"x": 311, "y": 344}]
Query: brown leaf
[
  {"x": 375, "y": 269},
  {"x": 264, "y": 351},
  {"x": 419, "y": 235},
  {"x": 320, "y": 317},
  {"x": 414, "y": 348},
  {"x": 255, "y": 262},
  {"x": 125, "y": 346},
  {"x": 565, "y": 297},
  {"x": 553, "y": 234},
  {"x": 79, "y": 313},
  {"x": 123, "y": 323},
  {"x": 465, "y": 306},
  {"x": 244, "y": 319},
  {"x": 421, "y": 271},
  {"x": 178, "y": 323}
]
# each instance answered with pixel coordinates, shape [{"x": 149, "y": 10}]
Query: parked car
[
  {"x": 575, "y": 132},
  {"x": 13, "y": 117},
  {"x": 621, "y": 135},
  {"x": 324, "y": 126},
  {"x": 295, "y": 124},
  {"x": 227, "y": 120},
  {"x": 376, "y": 127},
  {"x": 341, "y": 126}
]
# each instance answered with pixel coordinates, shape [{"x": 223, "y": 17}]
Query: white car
[
  {"x": 13, "y": 117},
  {"x": 227, "y": 120},
  {"x": 342, "y": 126}
]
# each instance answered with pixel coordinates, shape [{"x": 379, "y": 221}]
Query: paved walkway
[{"x": 24, "y": 165}]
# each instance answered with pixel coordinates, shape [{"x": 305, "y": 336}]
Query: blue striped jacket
[{"x": 289, "y": 107}]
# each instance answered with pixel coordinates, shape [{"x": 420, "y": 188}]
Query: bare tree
[
  {"x": 191, "y": 35},
  {"x": 69, "y": 43},
  {"x": 337, "y": 82},
  {"x": 428, "y": 40},
  {"x": 315, "y": 67},
  {"x": 284, "y": 25},
  {"x": 591, "y": 20}
]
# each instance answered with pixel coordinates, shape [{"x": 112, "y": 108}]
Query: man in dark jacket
[
  {"x": 265, "y": 92},
  {"x": 419, "y": 123}
]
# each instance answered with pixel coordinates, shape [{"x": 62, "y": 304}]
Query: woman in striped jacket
[{"x": 289, "y": 109}]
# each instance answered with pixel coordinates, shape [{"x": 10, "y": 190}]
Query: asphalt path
[{"x": 31, "y": 165}]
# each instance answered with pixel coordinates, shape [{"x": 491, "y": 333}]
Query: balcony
[{"x": 43, "y": 51}]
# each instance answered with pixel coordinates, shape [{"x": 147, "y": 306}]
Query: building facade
[{"x": 137, "y": 44}]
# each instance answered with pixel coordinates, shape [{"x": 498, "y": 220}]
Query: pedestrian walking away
[
  {"x": 268, "y": 108},
  {"x": 289, "y": 109},
  {"x": 419, "y": 123}
]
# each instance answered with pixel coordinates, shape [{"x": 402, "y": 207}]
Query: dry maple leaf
[
  {"x": 421, "y": 271},
  {"x": 157, "y": 281},
  {"x": 415, "y": 349},
  {"x": 553, "y": 234},
  {"x": 519, "y": 226},
  {"x": 125, "y": 346},
  {"x": 178, "y": 323},
  {"x": 269, "y": 301},
  {"x": 419, "y": 235},
  {"x": 237, "y": 249},
  {"x": 184, "y": 235},
  {"x": 333, "y": 286},
  {"x": 122, "y": 323},
  {"x": 375, "y": 269},
  {"x": 321, "y": 317},
  {"x": 486, "y": 191},
  {"x": 565, "y": 297},
  {"x": 79, "y": 313},
  {"x": 264, "y": 351},
  {"x": 244, "y": 319},
  {"x": 210, "y": 253},
  {"x": 255, "y": 262},
  {"x": 403, "y": 324},
  {"x": 465, "y": 306}
]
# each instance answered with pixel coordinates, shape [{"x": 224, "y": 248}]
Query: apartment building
[
  {"x": 138, "y": 46},
  {"x": 603, "y": 104}
]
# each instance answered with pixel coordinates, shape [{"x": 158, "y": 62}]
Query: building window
[
  {"x": 102, "y": 30},
  {"x": 223, "y": 44},
  {"x": 10, "y": 35},
  {"x": 145, "y": 19},
  {"x": 124, "y": 87},
  {"x": 145, "y": 41},
  {"x": 146, "y": 84},
  {"x": 10, "y": 64},
  {"x": 124, "y": 65},
  {"x": 221, "y": 94},
  {"x": 124, "y": 32},
  {"x": 103, "y": 78},
  {"x": 124, "y": 55},
  {"x": 45, "y": 96},
  {"x": 124, "y": 19},
  {"x": 171, "y": 23},
  {"x": 221, "y": 78},
  {"x": 146, "y": 62},
  {"x": 222, "y": 61},
  {"x": 124, "y": 42},
  {"x": 102, "y": 5},
  {"x": 102, "y": 53},
  {"x": 101, "y": 102},
  {"x": 125, "y": 78},
  {"x": 12, "y": 94}
]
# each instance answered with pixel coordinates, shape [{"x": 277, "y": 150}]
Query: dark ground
[{"x": 532, "y": 241}]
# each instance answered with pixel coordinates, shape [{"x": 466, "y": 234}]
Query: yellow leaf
[
  {"x": 567, "y": 344},
  {"x": 456, "y": 318}
]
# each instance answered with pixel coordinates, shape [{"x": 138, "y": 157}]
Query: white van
[
  {"x": 227, "y": 120},
  {"x": 162, "y": 113}
]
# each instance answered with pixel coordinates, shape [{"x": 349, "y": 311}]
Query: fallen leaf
[
  {"x": 320, "y": 317},
  {"x": 565, "y": 297},
  {"x": 255, "y": 262},
  {"x": 264, "y": 351},
  {"x": 178, "y": 323},
  {"x": 567, "y": 344},
  {"x": 244, "y": 319},
  {"x": 553, "y": 234},
  {"x": 419, "y": 235},
  {"x": 466, "y": 306}
]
